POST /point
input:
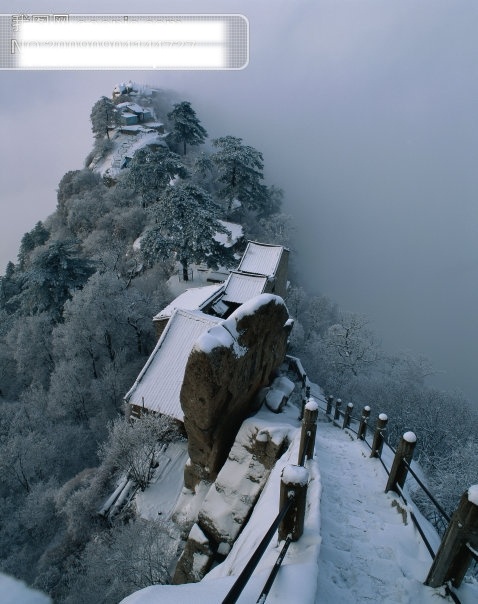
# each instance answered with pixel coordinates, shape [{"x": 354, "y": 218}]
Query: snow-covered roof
[
  {"x": 261, "y": 258},
  {"x": 241, "y": 287},
  {"x": 129, "y": 114},
  {"x": 195, "y": 298},
  {"x": 159, "y": 384},
  {"x": 135, "y": 108},
  {"x": 155, "y": 124}
]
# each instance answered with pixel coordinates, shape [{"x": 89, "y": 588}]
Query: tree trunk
[
  {"x": 184, "y": 147},
  {"x": 185, "y": 271}
]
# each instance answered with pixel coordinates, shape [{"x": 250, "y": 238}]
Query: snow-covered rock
[{"x": 232, "y": 496}]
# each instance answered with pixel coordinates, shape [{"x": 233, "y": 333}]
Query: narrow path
[{"x": 368, "y": 554}]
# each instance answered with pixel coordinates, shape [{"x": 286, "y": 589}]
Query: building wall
[
  {"x": 160, "y": 326},
  {"x": 280, "y": 285}
]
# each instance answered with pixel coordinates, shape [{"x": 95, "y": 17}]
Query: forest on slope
[{"x": 75, "y": 329}]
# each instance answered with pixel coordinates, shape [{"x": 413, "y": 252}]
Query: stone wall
[{"x": 226, "y": 368}]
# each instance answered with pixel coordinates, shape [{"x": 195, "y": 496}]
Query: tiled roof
[
  {"x": 159, "y": 384},
  {"x": 261, "y": 258},
  {"x": 241, "y": 287},
  {"x": 194, "y": 298}
]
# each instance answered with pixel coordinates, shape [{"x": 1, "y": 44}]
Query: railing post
[
  {"x": 309, "y": 429},
  {"x": 378, "y": 436},
  {"x": 348, "y": 413},
  {"x": 305, "y": 398},
  {"x": 399, "y": 471},
  {"x": 338, "y": 403},
  {"x": 454, "y": 556},
  {"x": 294, "y": 481},
  {"x": 362, "y": 431},
  {"x": 330, "y": 402}
]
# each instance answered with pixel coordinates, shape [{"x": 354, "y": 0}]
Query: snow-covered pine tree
[
  {"x": 104, "y": 115},
  {"x": 151, "y": 170},
  {"x": 240, "y": 172},
  {"x": 187, "y": 128},
  {"x": 34, "y": 238},
  {"x": 54, "y": 273},
  {"x": 186, "y": 221}
]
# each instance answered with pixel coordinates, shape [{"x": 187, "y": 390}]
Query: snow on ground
[
  {"x": 296, "y": 582},
  {"x": 13, "y": 591},
  {"x": 159, "y": 499},
  {"x": 358, "y": 546},
  {"x": 125, "y": 145},
  {"x": 177, "y": 285},
  {"x": 235, "y": 232},
  {"x": 367, "y": 554}
]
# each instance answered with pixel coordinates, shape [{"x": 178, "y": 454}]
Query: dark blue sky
[{"x": 365, "y": 111}]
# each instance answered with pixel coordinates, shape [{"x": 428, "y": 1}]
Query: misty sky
[{"x": 365, "y": 111}]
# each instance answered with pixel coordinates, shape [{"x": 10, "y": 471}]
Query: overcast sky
[{"x": 365, "y": 111}]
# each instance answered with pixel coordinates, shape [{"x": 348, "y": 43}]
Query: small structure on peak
[
  {"x": 269, "y": 260},
  {"x": 132, "y": 89},
  {"x": 132, "y": 113}
]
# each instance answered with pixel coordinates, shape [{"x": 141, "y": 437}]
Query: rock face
[
  {"x": 230, "y": 499},
  {"x": 238, "y": 485},
  {"x": 225, "y": 369},
  {"x": 195, "y": 560}
]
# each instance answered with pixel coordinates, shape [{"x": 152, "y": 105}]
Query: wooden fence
[{"x": 459, "y": 546}]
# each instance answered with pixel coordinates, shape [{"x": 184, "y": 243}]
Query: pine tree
[
  {"x": 73, "y": 183},
  {"x": 9, "y": 289},
  {"x": 240, "y": 171},
  {"x": 34, "y": 238},
  {"x": 186, "y": 126},
  {"x": 104, "y": 115},
  {"x": 54, "y": 274},
  {"x": 186, "y": 221},
  {"x": 151, "y": 170}
]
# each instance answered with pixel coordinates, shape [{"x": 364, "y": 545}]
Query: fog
[{"x": 366, "y": 114}]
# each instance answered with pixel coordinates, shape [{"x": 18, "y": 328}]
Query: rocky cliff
[{"x": 226, "y": 368}]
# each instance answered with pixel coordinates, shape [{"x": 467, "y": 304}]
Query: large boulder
[{"x": 227, "y": 366}]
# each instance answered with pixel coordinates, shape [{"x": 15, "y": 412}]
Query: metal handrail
[
  {"x": 416, "y": 477},
  {"x": 270, "y": 580},
  {"x": 337, "y": 413},
  {"x": 431, "y": 551},
  {"x": 425, "y": 489},
  {"x": 419, "y": 482},
  {"x": 236, "y": 590}
]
